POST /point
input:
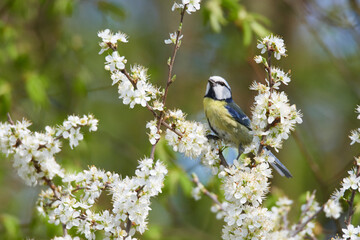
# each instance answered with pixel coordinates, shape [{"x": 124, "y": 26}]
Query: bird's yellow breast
[{"x": 224, "y": 124}]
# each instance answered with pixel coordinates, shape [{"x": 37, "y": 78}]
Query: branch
[
  {"x": 38, "y": 169},
  {"x": 211, "y": 195},
  {"x": 169, "y": 80},
  {"x": 268, "y": 69},
  {"x": 351, "y": 201},
  {"x": 176, "y": 47},
  {"x": 299, "y": 228}
]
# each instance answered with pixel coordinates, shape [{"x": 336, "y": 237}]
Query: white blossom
[
  {"x": 275, "y": 44},
  {"x": 110, "y": 39},
  {"x": 172, "y": 39},
  {"x": 115, "y": 62},
  {"x": 351, "y": 232},
  {"x": 332, "y": 209},
  {"x": 191, "y": 5},
  {"x": 279, "y": 76},
  {"x": 258, "y": 59},
  {"x": 117, "y": 77},
  {"x": 352, "y": 181},
  {"x": 154, "y": 135},
  {"x": 355, "y": 136}
]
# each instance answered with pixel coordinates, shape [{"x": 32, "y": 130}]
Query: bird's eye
[{"x": 221, "y": 83}]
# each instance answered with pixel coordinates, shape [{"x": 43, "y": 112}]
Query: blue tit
[{"x": 229, "y": 122}]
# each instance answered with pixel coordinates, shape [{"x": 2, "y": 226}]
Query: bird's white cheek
[{"x": 222, "y": 92}]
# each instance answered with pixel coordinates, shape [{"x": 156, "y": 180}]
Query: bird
[{"x": 228, "y": 121}]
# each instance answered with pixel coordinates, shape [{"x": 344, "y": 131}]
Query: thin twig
[
  {"x": 206, "y": 192},
  {"x": 301, "y": 227},
  {"x": 169, "y": 80},
  {"x": 168, "y": 83},
  {"x": 176, "y": 47},
  {"x": 9, "y": 119}
]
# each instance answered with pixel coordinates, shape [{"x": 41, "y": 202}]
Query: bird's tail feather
[{"x": 278, "y": 166}]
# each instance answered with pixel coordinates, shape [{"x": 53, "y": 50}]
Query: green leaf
[
  {"x": 259, "y": 29},
  {"x": 64, "y": 6},
  {"x": 247, "y": 33},
  {"x": 11, "y": 226},
  {"x": 5, "y": 97},
  {"x": 233, "y": 8},
  {"x": 112, "y": 9},
  {"x": 36, "y": 88},
  {"x": 214, "y": 14}
]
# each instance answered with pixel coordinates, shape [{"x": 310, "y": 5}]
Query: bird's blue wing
[{"x": 236, "y": 112}]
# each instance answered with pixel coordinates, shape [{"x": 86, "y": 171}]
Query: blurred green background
[{"x": 50, "y": 68}]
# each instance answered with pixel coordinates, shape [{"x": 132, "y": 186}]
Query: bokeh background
[{"x": 50, "y": 68}]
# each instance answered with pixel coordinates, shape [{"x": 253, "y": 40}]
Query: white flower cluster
[
  {"x": 350, "y": 183},
  {"x": 193, "y": 137},
  {"x": 355, "y": 134},
  {"x": 137, "y": 90},
  {"x": 109, "y": 39},
  {"x": 130, "y": 196},
  {"x": 274, "y": 44},
  {"x": 33, "y": 152},
  {"x": 251, "y": 223},
  {"x": 191, "y": 5},
  {"x": 273, "y": 116},
  {"x": 244, "y": 189},
  {"x": 279, "y": 76},
  {"x": 246, "y": 185},
  {"x": 70, "y": 129},
  {"x": 332, "y": 207}
]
